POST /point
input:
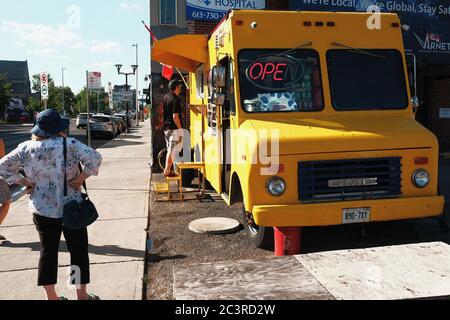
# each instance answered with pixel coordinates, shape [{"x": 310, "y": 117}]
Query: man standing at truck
[{"x": 173, "y": 128}]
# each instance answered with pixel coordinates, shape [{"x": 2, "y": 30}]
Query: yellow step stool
[{"x": 164, "y": 188}]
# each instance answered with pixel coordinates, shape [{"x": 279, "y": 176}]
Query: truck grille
[{"x": 345, "y": 180}]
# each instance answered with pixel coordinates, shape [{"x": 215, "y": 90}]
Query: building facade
[
  {"x": 17, "y": 74},
  {"x": 426, "y": 26}
]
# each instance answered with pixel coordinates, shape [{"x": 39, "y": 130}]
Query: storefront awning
[{"x": 182, "y": 51}]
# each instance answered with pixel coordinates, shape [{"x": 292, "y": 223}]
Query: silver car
[
  {"x": 104, "y": 125},
  {"x": 82, "y": 120}
]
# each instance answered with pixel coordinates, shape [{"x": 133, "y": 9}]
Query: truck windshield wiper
[
  {"x": 355, "y": 50},
  {"x": 303, "y": 45}
]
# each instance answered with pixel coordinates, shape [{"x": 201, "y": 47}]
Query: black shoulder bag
[{"x": 77, "y": 216}]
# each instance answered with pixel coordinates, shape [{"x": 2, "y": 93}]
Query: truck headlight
[
  {"x": 276, "y": 186},
  {"x": 421, "y": 178}
]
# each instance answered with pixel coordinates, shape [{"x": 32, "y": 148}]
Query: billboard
[
  {"x": 217, "y": 9},
  {"x": 426, "y": 23}
]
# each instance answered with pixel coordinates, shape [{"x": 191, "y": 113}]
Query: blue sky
[{"x": 78, "y": 35}]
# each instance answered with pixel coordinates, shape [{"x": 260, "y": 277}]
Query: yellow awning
[{"x": 182, "y": 51}]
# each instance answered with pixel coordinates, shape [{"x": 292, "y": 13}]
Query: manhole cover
[{"x": 214, "y": 226}]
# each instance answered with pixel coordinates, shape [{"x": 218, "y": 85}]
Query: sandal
[{"x": 93, "y": 297}]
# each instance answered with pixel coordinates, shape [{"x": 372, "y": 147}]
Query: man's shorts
[{"x": 173, "y": 138}]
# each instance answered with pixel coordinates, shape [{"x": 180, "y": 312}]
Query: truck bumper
[{"x": 327, "y": 214}]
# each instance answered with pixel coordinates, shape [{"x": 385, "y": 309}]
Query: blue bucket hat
[{"x": 49, "y": 123}]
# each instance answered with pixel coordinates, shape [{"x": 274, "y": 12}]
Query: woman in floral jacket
[{"x": 42, "y": 161}]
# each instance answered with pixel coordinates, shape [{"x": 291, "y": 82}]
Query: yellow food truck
[{"x": 307, "y": 119}]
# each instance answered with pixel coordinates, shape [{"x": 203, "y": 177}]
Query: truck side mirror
[
  {"x": 218, "y": 75},
  {"x": 218, "y": 99}
]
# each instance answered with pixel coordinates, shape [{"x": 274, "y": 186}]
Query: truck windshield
[
  {"x": 280, "y": 81},
  {"x": 369, "y": 80}
]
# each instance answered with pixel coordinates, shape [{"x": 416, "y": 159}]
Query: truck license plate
[{"x": 356, "y": 215}]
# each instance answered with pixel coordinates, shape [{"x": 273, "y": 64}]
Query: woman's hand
[
  {"x": 76, "y": 183},
  {"x": 27, "y": 183}
]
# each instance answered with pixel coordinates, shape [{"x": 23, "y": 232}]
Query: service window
[{"x": 277, "y": 80}]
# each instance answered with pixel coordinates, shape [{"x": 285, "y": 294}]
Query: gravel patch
[{"x": 175, "y": 244}]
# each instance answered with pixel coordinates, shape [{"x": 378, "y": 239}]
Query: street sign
[
  {"x": 94, "y": 81},
  {"x": 44, "y": 85},
  {"x": 127, "y": 96}
]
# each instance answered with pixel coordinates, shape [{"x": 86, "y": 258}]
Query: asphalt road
[{"x": 13, "y": 135}]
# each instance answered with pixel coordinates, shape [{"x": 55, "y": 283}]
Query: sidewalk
[{"x": 117, "y": 240}]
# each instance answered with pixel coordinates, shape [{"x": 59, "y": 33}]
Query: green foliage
[
  {"x": 5, "y": 90},
  {"x": 55, "y": 96},
  {"x": 94, "y": 106}
]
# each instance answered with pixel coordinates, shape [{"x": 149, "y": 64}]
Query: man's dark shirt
[{"x": 172, "y": 105}]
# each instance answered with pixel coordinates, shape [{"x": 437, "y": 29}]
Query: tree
[
  {"x": 80, "y": 102},
  {"x": 55, "y": 95},
  {"x": 5, "y": 90}
]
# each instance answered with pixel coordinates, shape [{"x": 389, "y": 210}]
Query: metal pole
[
  {"x": 63, "y": 93},
  {"x": 137, "y": 85},
  {"x": 87, "y": 109},
  {"x": 128, "y": 107}
]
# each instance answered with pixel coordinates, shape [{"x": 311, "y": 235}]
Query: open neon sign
[
  {"x": 268, "y": 70},
  {"x": 274, "y": 73}
]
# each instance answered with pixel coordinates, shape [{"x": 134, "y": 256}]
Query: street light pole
[
  {"x": 128, "y": 106},
  {"x": 126, "y": 74},
  {"x": 63, "y": 93},
  {"x": 137, "y": 83}
]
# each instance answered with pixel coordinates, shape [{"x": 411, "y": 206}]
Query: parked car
[
  {"x": 124, "y": 118},
  {"x": 82, "y": 120},
  {"x": 25, "y": 117},
  {"x": 103, "y": 125},
  {"x": 122, "y": 125}
]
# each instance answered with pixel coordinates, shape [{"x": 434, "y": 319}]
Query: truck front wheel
[{"x": 261, "y": 237}]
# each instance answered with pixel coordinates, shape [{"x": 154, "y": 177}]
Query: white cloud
[
  {"x": 106, "y": 47},
  {"x": 44, "y": 35},
  {"x": 44, "y": 52},
  {"x": 102, "y": 64},
  {"x": 130, "y": 6},
  {"x": 21, "y": 44}
]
